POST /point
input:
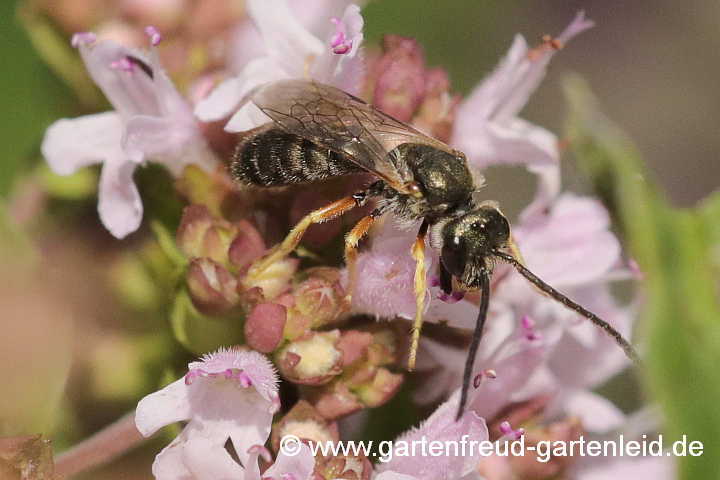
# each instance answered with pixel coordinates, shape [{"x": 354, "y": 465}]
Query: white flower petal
[
  {"x": 390, "y": 475},
  {"x": 300, "y": 466},
  {"x": 71, "y": 144},
  {"x": 168, "y": 464},
  {"x": 441, "y": 427},
  {"x": 221, "y": 102},
  {"x": 119, "y": 203},
  {"x": 597, "y": 414},
  {"x": 286, "y": 41},
  {"x": 206, "y": 460},
  {"x": 130, "y": 92},
  {"x": 162, "y": 408},
  {"x": 148, "y": 137}
]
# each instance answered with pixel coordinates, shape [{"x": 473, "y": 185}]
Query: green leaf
[
  {"x": 678, "y": 251},
  {"x": 200, "y": 333}
]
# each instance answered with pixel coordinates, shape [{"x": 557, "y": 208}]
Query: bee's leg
[
  {"x": 418, "y": 253},
  {"x": 351, "y": 243},
  {"x": 320, "y": 215}
]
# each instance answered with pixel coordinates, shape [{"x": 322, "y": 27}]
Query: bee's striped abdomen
[{"x": 271, "y": 157}]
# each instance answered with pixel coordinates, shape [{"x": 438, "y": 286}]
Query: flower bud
[
  {"x": 247, "y": 246},
  {"x": 211, "y": 287},
  {"x": 304, "y": 422},
  {"x": 312, "y": 359},
  {"x": 320, "y": 296},
  {"x": 399, "y": 77},
  {"x": 264, "y": 326},
  {"x": 201, "y": 235}
]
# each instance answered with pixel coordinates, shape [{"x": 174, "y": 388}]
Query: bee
[{"x": 318, "y": 131}]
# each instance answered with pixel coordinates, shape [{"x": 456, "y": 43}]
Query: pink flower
[
  {"x": 385, "y": 275},
  {"x": 487, "y": 127},
  {"x": 440, "y": 427},
  {"x": 534, "y": 346},
  {"x": 291, "y": 51},
  {"x": 230, "y": 394},
  {"x": 206, "y": 460},
  {"x": 151, "y": 121}
]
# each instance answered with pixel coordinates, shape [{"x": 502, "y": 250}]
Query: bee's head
[{"x": 468, "y": 242}]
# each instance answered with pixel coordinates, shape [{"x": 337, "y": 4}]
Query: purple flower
[
  {"x": 151, "y": 121},
  {"x": 230, "y": 394},
  {"x": 291, "y": 51}
]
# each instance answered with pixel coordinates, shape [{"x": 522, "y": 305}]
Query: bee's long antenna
[
  {"x": 559, "y": 297},
  {"x": 477, "y": 335}
]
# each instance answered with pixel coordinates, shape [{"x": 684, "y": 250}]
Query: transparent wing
[{"x": 341, "y": 122}]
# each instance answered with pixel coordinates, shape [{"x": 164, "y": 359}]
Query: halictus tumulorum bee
[{"x": 319, "y": 132}]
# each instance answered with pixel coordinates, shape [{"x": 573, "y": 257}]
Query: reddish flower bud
[
  {"x": 264, "y": 327},
  {"x": 247, "y": 246},
  {"x": 399, "y": 76},
  {"x": 211, "y": 287}
]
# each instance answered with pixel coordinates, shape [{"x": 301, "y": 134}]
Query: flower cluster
[{"x": 537, "y": 362}]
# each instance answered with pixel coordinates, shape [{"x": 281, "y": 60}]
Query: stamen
[
  {"x": 548, "y": 43},
  {"x": 528, "y": 325},
  {"x": 635, "y": 269},
  {"x": 243, "y": 379},
  {"x": 262, "y": 451},
  {"x": 82, "y": 37},
  {"x": 506, "y": 429},
  {"x": 433, "y": 281},
  {"x": 154, "y": 34},
  {"x": 479, "y": 378},
  {"x": 341, "y": 44},
  {"x": 124, "y": 64},
  {"x": 190, "y": 377},
  {"x": 288, "y": 476},
  {"x": 454, "y": 297}
]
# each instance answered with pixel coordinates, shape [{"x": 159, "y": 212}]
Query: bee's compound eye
[{"x": 453, "y": 256}]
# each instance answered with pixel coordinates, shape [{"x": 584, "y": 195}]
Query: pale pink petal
[
  {"x": 221, "y": 102},
  {"x": 161, "y": 408},
  {"x": 344, "y": 71},
  {"x": 297, "y": 467},
  {"x": 286, "y": 41},
  {"x": 650, "y": 467},
  {"x": 259, "y": 71},
  {"x": 573, "y": 245},
  {"x": 514, "y": 141},
  {"x": 548, "y": 189},
  {"x": 529, "y": 71},
  {"x": 389, "y": 475},
  {"x": 597, "y": 414},
  {"x": 385, "y": 279},
  {"x": 315, "y": 15},
  {"x": 206, "y": 460},
  {"x": 71, "y": 144},
  {"x": 148, "y": 137},
  {"x": 595, "y": 357},
  {"x": 119, "y": 203},
  {"x": 441, "y": 427},
  {"x": 168, "y": 464},
  {"x": 513, "y": 368},
  {"x": 130, "y": 90}
]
